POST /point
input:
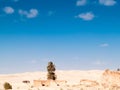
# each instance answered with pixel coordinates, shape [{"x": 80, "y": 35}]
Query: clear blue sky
[{"x": 74, "y": 34}]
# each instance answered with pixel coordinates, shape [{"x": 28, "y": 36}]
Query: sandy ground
[{"x": 76, "y": 80}]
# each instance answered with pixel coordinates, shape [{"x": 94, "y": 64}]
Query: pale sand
[{"x": 76, "y": 80}]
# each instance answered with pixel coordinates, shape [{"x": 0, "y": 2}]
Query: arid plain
[{"x": 74, "y": 80}]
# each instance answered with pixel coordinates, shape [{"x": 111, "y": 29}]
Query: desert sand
[{"x": 75, "y": 80}]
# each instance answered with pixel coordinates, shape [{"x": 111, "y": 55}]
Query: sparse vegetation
[
  {"x": 7, "y": 86},
  {"x": 51, "y": 71},
  {"x": 61, "y": 88}
]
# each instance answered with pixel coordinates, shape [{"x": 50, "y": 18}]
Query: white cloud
[
  {"x": 8, "y": 10},
  {"x": 104, "y": 45},
  {"x": 86, "y": 16},
  {"x": 81, "y": 2},
  {"x": 32, "y": 13},
  {"x": 107, "y": 2}
]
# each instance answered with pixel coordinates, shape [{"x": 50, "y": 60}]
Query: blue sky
[{"x": 74, "y": 34}]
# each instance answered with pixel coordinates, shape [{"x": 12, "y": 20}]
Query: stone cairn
[
  {"x": 51, "y": 78},
  {"x": 51, "y": 71}
]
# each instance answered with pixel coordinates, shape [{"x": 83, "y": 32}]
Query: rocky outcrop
[
  {"x": 88, "y": 83},
  {"x": 110, "y": 79}
]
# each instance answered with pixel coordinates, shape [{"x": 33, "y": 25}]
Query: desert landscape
[
  {"x": 82, "y": 38},
  {"x": 67, "y": 80}
]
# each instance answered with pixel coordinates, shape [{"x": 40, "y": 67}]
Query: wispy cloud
[
  {"x": 32, "y": 61},
  {"x": 107, "y": 2},
  {"x": 86, "y": 16},
  {"x": 98, "y": 62},
  {"x": 8, "y": 10},
  {"x": 32, "y": 13},
  {"x": 50, "y": 13},
  {"x": 104, "y": 45},
  {"x": 81, "y": 2}
]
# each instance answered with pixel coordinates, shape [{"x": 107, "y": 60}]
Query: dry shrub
[{"x": 7, "y": 86}]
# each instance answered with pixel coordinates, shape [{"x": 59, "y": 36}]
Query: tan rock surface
[{"x": 73, "y": 80}]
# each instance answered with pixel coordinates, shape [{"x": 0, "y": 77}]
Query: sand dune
[{"x": 75, "y": 80}]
